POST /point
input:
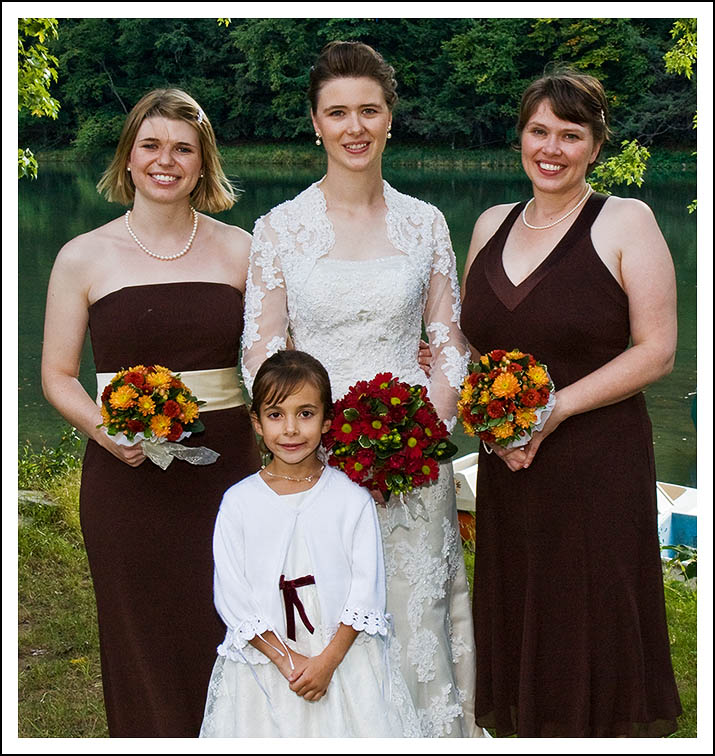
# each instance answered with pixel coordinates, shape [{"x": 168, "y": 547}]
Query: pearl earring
[
  {"x": 389, "y": 131},
  {"x": 318, "y": 139}
]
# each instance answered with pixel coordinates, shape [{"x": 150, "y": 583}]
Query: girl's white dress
[
  {"x": 359, "y": 318},
  {"x": 249, "y": 697}
]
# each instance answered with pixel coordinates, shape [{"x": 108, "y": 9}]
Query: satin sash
[{"x": 220, "y": 388}]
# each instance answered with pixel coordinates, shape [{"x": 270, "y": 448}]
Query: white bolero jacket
[
  {"x": 251, "y": 539},
  {"x": 359, "y": 317}
]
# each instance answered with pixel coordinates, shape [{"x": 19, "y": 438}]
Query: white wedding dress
[{"x": 360, "y": 317}]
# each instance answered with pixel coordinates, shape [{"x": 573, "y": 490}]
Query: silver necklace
[
  {"x": 165, "y": 257},
  {"x": 562, "y": 218},
  {"x": 307, "y": 479}
]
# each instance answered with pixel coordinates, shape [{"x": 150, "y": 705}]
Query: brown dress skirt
[
  {"x": 569, "y": 609},
  {"x": 148, "y": 531}
]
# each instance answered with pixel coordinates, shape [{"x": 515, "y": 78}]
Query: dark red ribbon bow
[{"x": 290, "y": 596}]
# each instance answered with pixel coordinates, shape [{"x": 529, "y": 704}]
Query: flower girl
[{"x": 300, "y": 584}]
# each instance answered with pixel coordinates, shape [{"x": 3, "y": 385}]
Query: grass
[{"x": 60, "y": 689}]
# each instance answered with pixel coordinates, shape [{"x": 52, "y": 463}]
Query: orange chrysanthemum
[
  {"x": 525, "y": 417},
  {"x": 484, "y": 397},
  {"x": 123, "y": 397},
  {"x": 190, "y": 411},
  {"x": 160, "y": 379},
  {"x": 160, "y": 425},
  {"x": 106, "y": 417},
  {"x": 538, "y": 375},
  {"x": 146, "y": 405},
  {"x": 505, "y": 430},
  {"x": 505, "y": 386},
  {"x": 515, "y": 354}
]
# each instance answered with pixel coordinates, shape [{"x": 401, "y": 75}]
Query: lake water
[{"x": 63, "y": 203}]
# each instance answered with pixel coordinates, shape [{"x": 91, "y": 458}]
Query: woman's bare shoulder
[
  {"x": 488, "y": 223},
  {"x": 232, "y": 239},
  {"x": 82, "y": 250}
]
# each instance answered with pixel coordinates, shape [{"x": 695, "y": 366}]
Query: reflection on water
[{"x": 63, "y": 203}]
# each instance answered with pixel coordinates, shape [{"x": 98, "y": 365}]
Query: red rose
[
  {"x": 107, "y": 393},
  {"x": 487, "y": 436},
  {"x": 136, "y": 379},
  {"x": 544, "y": 393},
  {"x": 171, "y": 408},
  {"x": 135, "y": 426},
  {"x": 365, "y": 457},
  {"x": 497, "y": 354},
  {"x": 514, "y": 367},
  {"x": 396, "y": 462},
  {"x": 495, "y": 408},
  {"x": 175, "y": 431},
  {"x": 531, "y": 398}
]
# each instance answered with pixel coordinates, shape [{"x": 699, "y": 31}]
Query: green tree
[
  {"x": 681, "y": 59},
  {"x": 36, "y": 71}
]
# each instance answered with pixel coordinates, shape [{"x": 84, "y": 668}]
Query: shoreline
[{"x": 671, "y": 161}]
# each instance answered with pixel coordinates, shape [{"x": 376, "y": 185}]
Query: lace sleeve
[
  {"x": 365, "y": 605},
  {"x": 265, "y": 325},
  {"x": 441, "y": 316}
]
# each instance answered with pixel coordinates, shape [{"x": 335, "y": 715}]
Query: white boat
[{"x": 677, "y": 505}]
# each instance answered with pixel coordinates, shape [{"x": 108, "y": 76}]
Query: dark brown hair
[
  {"x": 573, "y": 96},
  {"x": 343, "y": 60},
  {"x": 212, "y": 193},
  {"x": 284, "y": 373}
]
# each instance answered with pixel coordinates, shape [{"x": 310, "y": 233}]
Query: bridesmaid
[
  {"x": 161, "y": 284},
  {"x": 568, "y": 601}
]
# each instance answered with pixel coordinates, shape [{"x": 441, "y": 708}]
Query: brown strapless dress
[{"x": 148, "y": 531}]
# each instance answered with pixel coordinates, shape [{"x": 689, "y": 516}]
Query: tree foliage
[
  {"x": 459, "y": 79},
  {"x": 36, "y": 70}
]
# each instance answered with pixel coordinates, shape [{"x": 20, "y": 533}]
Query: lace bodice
[{"x": 358, "y": 317}]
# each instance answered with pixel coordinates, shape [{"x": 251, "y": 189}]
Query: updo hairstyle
[{"x": 351, "y": 60}]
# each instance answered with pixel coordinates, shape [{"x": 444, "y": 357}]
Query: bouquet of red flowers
[
  {"x": 386, "y": 435},
  {"x": 153, "y": 404},
  {"x": 505, "y": 397}
]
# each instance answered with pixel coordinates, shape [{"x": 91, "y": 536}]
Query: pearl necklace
[
  {"x": 165, "y": 257},
  {"x": 307, "y": 479},
  {"x": 562, "y": 218}
]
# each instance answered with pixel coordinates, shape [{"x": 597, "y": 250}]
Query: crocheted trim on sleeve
[
  {"x": 363, "y": 619},
  {"x": 235, "y": 645}
]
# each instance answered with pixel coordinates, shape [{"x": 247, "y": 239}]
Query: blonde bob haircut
[{"x": 212, "y": 193}]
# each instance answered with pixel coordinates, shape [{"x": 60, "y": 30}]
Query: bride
[{"x": 350, "y": 269}]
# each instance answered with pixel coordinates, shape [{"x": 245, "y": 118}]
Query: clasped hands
[{"x": 310, "y": 675}]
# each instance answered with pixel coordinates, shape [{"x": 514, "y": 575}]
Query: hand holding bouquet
[
  {"x": 505, "y": 397},
  {"x": 151, "y": 406},
  {"x": 386, "y": 435}
]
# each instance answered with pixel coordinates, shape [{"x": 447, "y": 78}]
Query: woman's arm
[
  {"x": 441, "y": 317},
  {"x": 66, "y": 318},
  {"x": 265, "y": 328},
  {"x": 485, "y": 227},
  {"x": 627, "y": 237}
]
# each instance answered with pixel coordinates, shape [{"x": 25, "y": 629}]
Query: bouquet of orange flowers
[
  {"x": 505, "y": 397},
  {"x": 386, "y": 435},
  {"x": 151, "y": 405}
]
